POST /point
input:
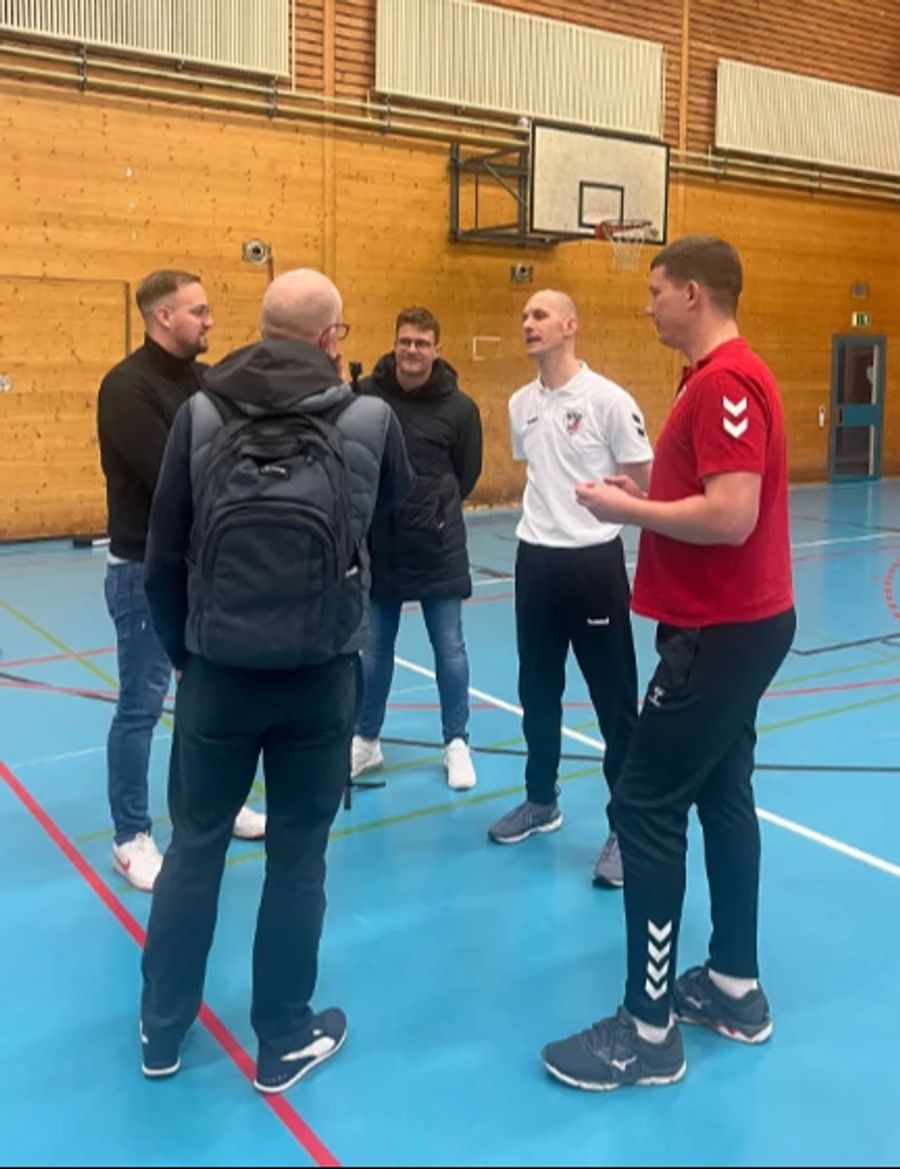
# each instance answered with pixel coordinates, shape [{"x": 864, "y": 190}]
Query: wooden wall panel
[
  {"x": 354, "y": 47},
  {"x": 57, "y": 339},
  {"x": 309, "y": 69},
  {"x": 98, "y": 190},
  {"x": 801, "y": 256},
  {"x": 107, "y": 191}
]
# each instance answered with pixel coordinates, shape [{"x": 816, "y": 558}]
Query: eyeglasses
[
  {"x": 414, "y": 343},
  {"x": 341, "y": 330}
]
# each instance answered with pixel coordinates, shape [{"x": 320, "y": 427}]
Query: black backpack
[{"x": 274, "y": 576}]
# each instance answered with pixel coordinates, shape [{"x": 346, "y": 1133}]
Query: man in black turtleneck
[
  {"x": 419, "y": 549},
  {"x": 137, "y": 403}
]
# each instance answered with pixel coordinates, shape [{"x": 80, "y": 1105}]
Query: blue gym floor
[{"x": 455, "y": 960}]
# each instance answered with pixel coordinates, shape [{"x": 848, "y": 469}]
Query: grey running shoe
[
  {"x": 698, "y": 1000},
  {"x": 611, "y": 1054},
  {"x": 524, "y": 821},
  {"x": 608, "y": 869}
]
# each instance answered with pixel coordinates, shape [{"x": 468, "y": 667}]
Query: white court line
[
  {"x": 857, "y": 854},
  {"x": 485, "y": 582},
  {"x": 22, "y": 764},
  {"x": 57, "y": 758},
  {"x": 845, "y": 540},
  {"x": 501, "y": 704},
  {"x": 411, "y": 689}
]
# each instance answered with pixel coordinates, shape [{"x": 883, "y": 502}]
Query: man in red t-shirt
[{"x": 714, "y": 570}]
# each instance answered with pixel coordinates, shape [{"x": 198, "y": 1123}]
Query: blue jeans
[
  {"x": 443, "y": 619},
  {"x": 144, "y": 675}
]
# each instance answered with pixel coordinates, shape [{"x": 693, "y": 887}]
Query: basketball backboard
[{"x": 579, "y": 178}]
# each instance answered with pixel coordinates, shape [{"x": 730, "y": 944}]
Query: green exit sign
[{"x": 860, "y": 320}]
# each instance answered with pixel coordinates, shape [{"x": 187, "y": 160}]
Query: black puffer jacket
[{"x": 419, "y": 549}]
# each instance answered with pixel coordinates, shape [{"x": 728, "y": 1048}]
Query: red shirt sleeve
[{"x": 730, "y": 426}]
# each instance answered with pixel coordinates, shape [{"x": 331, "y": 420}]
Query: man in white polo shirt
[{"x": 570, "y": 425}]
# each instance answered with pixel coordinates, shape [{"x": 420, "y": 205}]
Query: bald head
[
  {"x": 549, "y": 329},
  {"x": 559, "y": 303},
  {"x": 299, "y": 306}
]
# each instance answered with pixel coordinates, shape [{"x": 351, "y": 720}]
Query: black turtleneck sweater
[{"x": 136, "y": 406}]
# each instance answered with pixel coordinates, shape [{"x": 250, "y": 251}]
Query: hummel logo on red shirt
[{"x": 736, "y": 409}]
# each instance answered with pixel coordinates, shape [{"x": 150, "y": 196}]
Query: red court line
[
  {"x": 289, "y": 1117},
  {"x": 412, "y": 606},
  {"x": 873, "y": 547},
  {"x": 889, "y": 597},
  {"x": 70, "y": 657},
  {"x": 474, "y": 706},
  {"x": 868, "y": 684},
  {"x": 797, "y": 692},
  {"x": 78, "y": 691}
]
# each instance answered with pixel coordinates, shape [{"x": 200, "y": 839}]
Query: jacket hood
[
  {"x": 443, "y": 379},
  {"x": 278, "y": 376}
]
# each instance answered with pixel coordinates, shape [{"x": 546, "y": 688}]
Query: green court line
[
  {"x": 438, "y": 808},
  {"x": 166, "y": 719},
  {"x": 245, "y": 855},
  {"x": 57, "y": 643},
  {"x": 888, "y": 660},
  {"x": 259, "y": 790},
  {"x": 808, "y": 718},
  {"x": 258, "y": 854}
]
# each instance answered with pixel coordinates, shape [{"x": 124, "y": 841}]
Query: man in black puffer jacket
[{"x": 419, "y": 549}]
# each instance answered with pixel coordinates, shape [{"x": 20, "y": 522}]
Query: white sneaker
[
  {"x": 249, "y": 825},
  {"x": 460, "y": 772},
  {"x": 365, "y": 755},
  {"x": 139, "y": 861}
]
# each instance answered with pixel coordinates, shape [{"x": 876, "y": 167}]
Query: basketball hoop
[{"x": 627, "y": 237}]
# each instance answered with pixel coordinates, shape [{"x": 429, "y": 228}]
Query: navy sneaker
[
  {"x": 611, "y": 1054},
  {"x": 698, "y": 1000},
  {"x": 277, "y": 1073},
  {"x": 524, "y": 821},
  {"x": 158, "y": 1059}
]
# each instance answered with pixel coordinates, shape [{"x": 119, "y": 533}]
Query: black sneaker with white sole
[
  {"x": 698, "y": 1000},
  {"x": 158, "y": 1059},
  {"x": 524, "y": 821},
  {"x": 611, "y": 1054},
  {"x": 277, "y": 1073}
]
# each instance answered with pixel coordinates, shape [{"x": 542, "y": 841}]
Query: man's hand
[
  {"x": 627, "y": 484},
  {"x": 609, "y": 500},
  {"x": 178, "y": 674}
]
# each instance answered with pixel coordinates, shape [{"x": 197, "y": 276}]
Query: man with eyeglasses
[
  {"x": 419, "y": 550},
  {"x": 137, "y": 402}
]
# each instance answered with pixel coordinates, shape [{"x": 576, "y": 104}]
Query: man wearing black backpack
[{"x": 257, "y": 578}]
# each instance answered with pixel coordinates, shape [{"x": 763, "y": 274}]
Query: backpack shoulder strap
[{"x": 209, "y": 413}]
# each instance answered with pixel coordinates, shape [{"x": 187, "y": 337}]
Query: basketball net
[{"x": 627, "y": 237}]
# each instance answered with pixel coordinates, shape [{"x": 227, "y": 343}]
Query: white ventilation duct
[
  {"x": 481, "y": 57},
  {"x": 239, "y": 34},
  {"x": 784, "y": 115}
]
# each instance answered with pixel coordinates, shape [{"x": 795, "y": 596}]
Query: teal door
[{"x": 857, "y": 407}]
